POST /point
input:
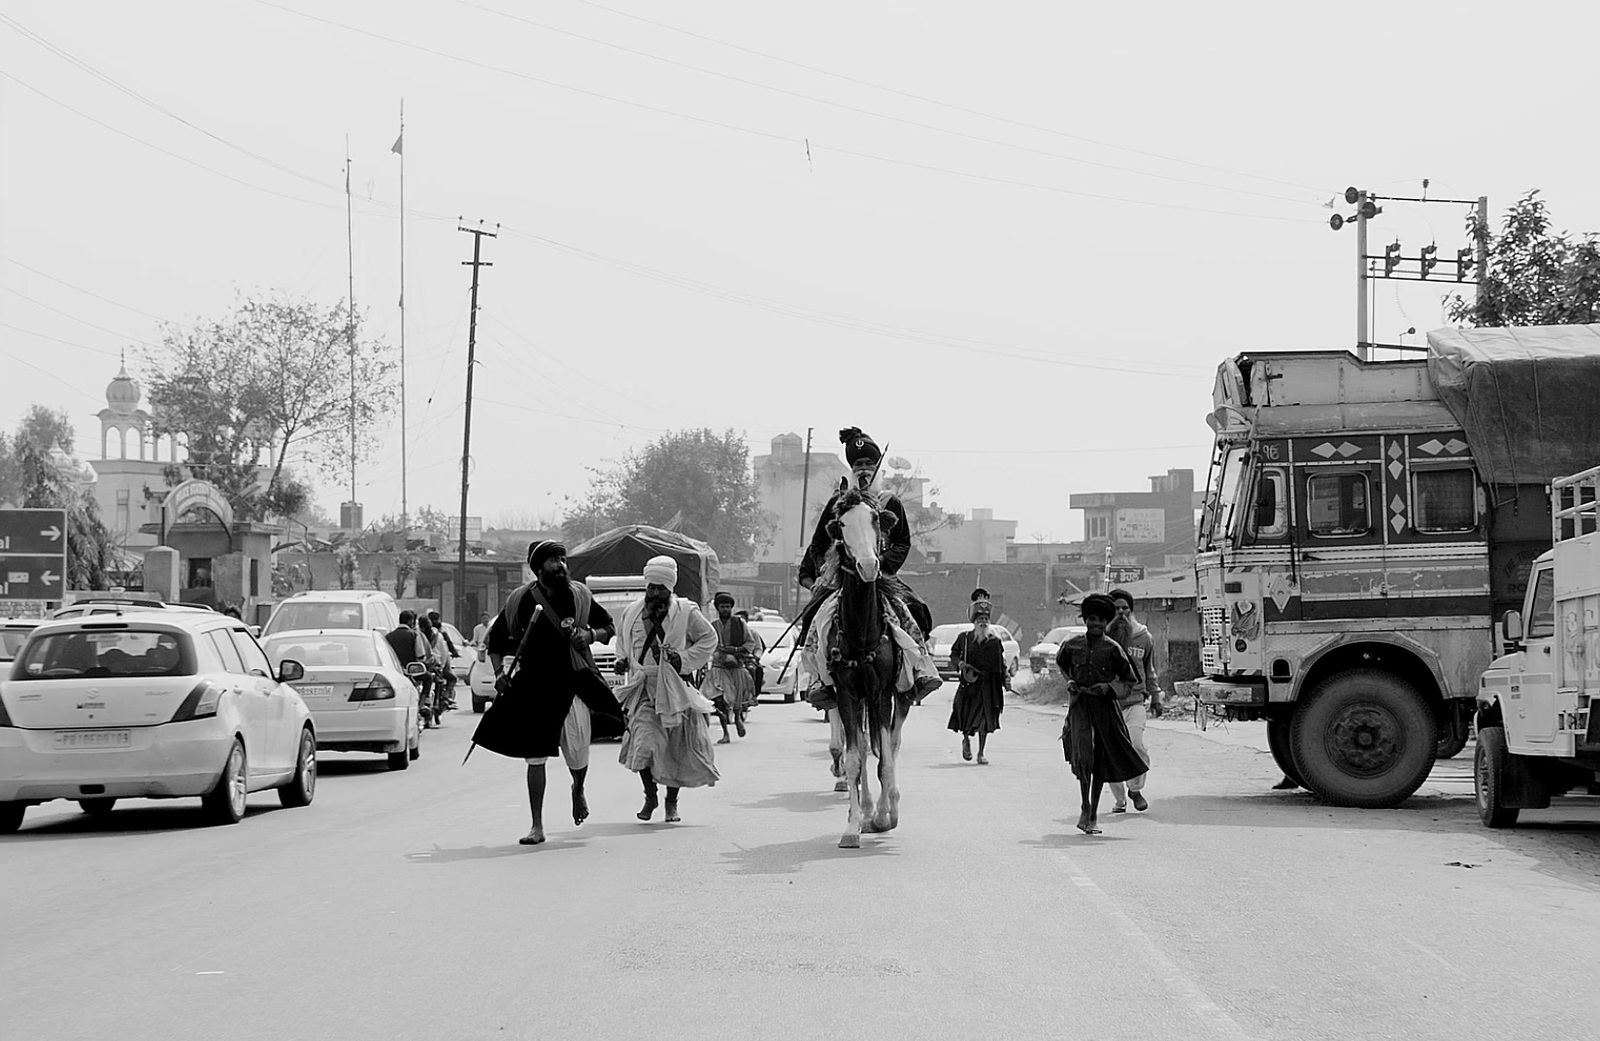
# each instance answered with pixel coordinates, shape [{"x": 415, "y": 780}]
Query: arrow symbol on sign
[
  {"x": 49, "y": 578},
  {"x": 52, "y": 533}
]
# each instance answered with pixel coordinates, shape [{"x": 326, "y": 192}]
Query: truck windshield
[{"x": 1218, "y": 521}]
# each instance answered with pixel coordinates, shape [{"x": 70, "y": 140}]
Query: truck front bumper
[{"x": 1221, "y": 692}]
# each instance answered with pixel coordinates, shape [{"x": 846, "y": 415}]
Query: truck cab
[{"x": 1537, "y": 734}]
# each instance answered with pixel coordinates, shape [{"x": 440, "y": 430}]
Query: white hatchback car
[
  {"x": 943, "y": 638},
  {"x": 334, "y": 609},
  {"x": 359, "y": 694},
  {"x": 151, "y": 704},
  {"x": 780, "y": 663}
]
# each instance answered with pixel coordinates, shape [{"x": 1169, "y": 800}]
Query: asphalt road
[{"x": 399, "y": 906}]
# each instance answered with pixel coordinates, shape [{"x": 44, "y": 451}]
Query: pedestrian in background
[
  {"x": 1135, "y": 641},
  {"x": 728, "y": 684},
  {"x": 1094, "y": 738},
  {"x": 979, "y": 657}
]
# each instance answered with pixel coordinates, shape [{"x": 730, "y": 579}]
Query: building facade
[
  {"x": 980, "y": 538},
  {"x": 781, "y": 477},
  {"x": 1153, "y": 529}
]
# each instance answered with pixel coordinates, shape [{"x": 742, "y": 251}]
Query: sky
[{"x": 1012, "y": 241}]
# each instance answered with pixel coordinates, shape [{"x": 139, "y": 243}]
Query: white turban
[{"x": 661, "y": 571}]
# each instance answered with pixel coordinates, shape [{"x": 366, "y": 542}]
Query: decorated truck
[
  {"x": 1538, "y": 733},
  {"x": 1365, "y": 525}
]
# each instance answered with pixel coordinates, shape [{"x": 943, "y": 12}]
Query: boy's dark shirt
[{"x": 1087, "y": 664}]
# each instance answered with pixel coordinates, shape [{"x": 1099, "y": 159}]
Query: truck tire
[
  {"x": 1278, "y": 738},
  {"x": 1364, "y": 738},
  {"x": 1489, "y": 779}
]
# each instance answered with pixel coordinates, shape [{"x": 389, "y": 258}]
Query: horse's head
[{"x": 857, "y": 528}]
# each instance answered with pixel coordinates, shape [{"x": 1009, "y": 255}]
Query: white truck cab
[{"x": 1537, "y": 734}]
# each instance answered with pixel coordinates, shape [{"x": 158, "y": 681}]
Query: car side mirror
[
  {"x": 1511, "y": 630},
  {"x": 415, "y": 669},
  {"x": 290, "y": 670},
  {"x": 254, "y": 630}
]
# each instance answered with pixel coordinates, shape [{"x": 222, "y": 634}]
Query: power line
[
  {"x": 89, "y": 292},
  {"x": 164, "y": 151},
  {"x": 157, "y": 106},
  {"x": 767, "y": 135},
  {"x": 875, "y": 114},
  {"x": 75, "y": 318},
  {"x": 947, "y": 104},
  {"x": 57, "y": 339}
]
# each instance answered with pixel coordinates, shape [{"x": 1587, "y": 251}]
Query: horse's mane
[{"x": 853, "y": 497}]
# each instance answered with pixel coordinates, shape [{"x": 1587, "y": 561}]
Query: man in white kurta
[{"x": 663, "y": 637}]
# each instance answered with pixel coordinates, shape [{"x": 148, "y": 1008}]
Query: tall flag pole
[
  {"x": 399, "y": 150},
  {"x": 350, "y": 249}
]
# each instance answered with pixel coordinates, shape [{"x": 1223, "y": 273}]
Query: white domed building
[{"x": 130, "y": 483}]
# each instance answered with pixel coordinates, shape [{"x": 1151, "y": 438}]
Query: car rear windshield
[
  {"x": 11, "y": 641},
  {"x": 312, "y": 651},
  {"x": 92, "y": 654},
  {"x": 316, "y": 616}
]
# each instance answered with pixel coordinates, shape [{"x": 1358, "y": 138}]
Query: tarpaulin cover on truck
[
  {"x": 1526, "y": 396},
  {"x": 625, "y": 550}
]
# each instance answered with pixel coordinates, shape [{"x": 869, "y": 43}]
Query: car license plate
[
  {"x": 314, "y": 690},
  {"x": 68, "y": 739}
]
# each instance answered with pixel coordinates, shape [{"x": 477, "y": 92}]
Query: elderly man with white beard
[{"x": 661, "y": 639}]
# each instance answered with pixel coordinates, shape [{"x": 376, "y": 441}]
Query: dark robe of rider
[{"x": 864, "y": 455}]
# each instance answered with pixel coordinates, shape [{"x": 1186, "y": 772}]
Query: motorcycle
[{"x": 418, "y": 674}]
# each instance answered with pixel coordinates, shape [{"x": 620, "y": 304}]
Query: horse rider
[{"x": 909, "y": 620}]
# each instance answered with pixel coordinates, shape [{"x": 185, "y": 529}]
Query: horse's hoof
[
  {"x": 850, "y": 842},
  {"x": 869, "y": 827},
  {"x": 841, "y": 785}
]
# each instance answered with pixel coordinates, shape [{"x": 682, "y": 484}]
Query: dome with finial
[{"x": 122, "y": 393}]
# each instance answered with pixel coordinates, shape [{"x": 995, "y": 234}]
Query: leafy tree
[
  {"x": 271, "y": 376},
  {"x": 698, "y": 482},
  {"x": 1536, "y": 276},
  {"x": 35, "y": 478}
]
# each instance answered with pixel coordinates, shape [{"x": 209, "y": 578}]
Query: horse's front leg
[
  {"x": 868, "y": 803},
  {"x": 836, "y": 749},
  {"x": 854, "y": 768}
]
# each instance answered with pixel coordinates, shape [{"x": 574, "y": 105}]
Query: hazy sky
[{"x": 1026, "y": 233}]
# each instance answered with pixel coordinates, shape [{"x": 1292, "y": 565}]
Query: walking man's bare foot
[{"x": 532, "y": 838}]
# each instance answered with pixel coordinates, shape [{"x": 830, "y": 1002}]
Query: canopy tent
[
  {"x": 625, "y": 550},
  {"x": 1524, "y": 395}
]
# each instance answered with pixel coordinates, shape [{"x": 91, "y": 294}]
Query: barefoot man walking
[{"x": 547, "y": 685}]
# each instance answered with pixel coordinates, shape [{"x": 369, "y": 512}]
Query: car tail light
[
  {"x": 201, "y": 702},
  {"x": 377, "y": 689}
]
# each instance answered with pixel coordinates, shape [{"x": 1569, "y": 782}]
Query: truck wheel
[
  {"x": 1489, "y": 779},
  {"x": 1364, "y": 738},
  {"x": 1278, "y": 734}
]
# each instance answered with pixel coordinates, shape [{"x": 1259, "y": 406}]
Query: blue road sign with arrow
[{"x": 33, "y": 554}]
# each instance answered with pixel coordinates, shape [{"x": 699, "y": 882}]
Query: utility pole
[
  {"x": 476, "y": 262},
  {"x": 1481, "y": 245},
  {"x": 399, "y": 149},
  {"x": 1363, "y": 335}
]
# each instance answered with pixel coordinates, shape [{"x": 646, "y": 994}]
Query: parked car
[
  {"x": 461, "y": 661},
  {"x": 13, "y": 634},
  {"x": 153, "y": 704},
  {"x": 1042, "y": 655},
  {"x": 777, "y": 652},
  {"x": 334, "y": 609},
  {"x": 943, "y": 638},
  {"x": 480, "y": 680},
  {"x": 359, "y": 694},
  {"x": 121, "y": 603}
]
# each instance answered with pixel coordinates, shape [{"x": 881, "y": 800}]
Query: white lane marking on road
[
  {"x": 1208, "y": 1011},
  {"x": 1432, "y": 954},
  {"x": 212, "y": 972}
]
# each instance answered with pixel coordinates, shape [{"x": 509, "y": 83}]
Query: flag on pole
[{"x": 396, "y": 148}]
